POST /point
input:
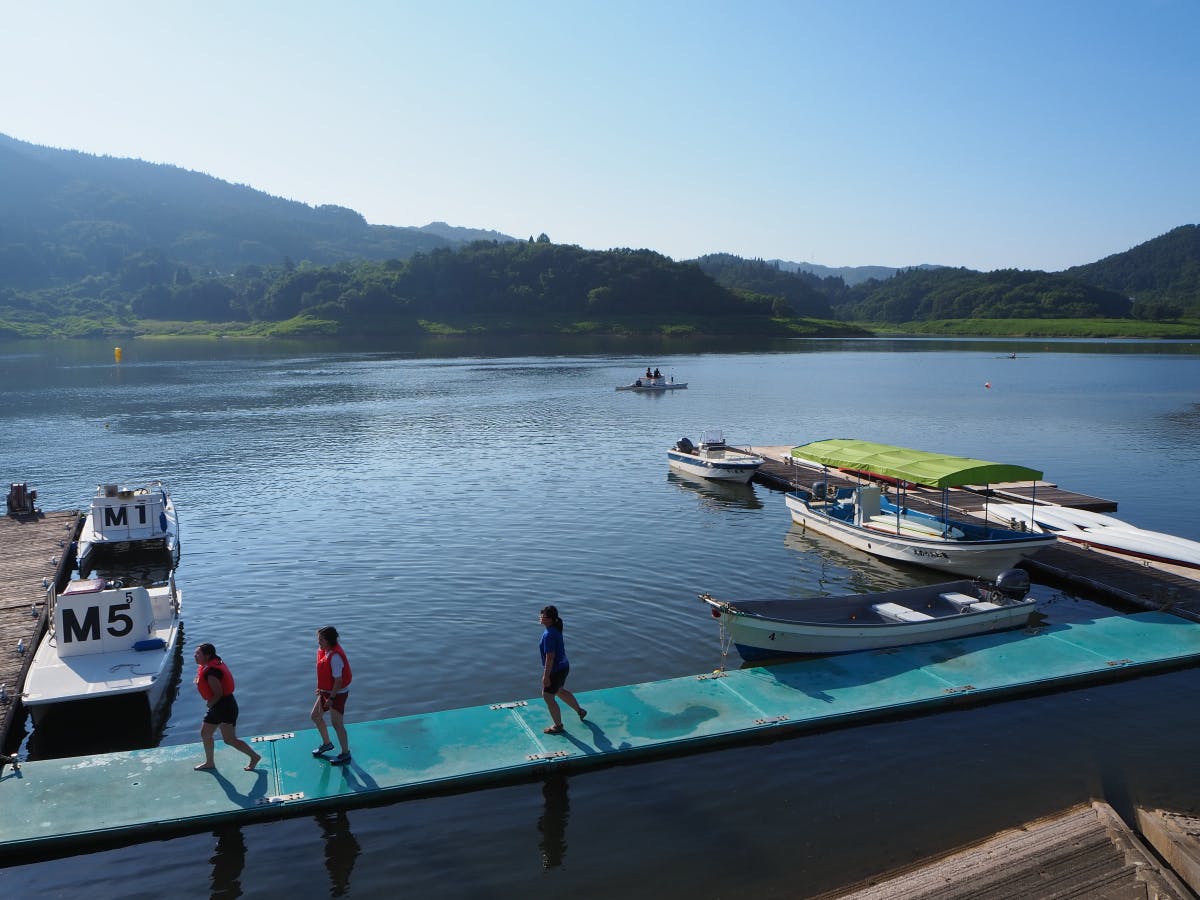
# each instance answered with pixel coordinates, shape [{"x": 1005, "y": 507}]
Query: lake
[{"x": 428, "y": 500}]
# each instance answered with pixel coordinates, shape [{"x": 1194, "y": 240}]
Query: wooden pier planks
[
  {"x": 57, "y": 805},
  {"x": 1087, "y": 851},
  {"x": 36, "y": 552}
]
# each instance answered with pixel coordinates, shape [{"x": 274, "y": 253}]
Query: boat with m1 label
[
  {"x": 766, "y": 629},
  {"x": 129, "y": 522},
  {"x": 105, "y": 639},
  {"x": 713, "y": 459},
  {"x": 864, "y": 518}
]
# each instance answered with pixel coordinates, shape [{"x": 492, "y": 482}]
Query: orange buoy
[{"x": 117, "y": 354}]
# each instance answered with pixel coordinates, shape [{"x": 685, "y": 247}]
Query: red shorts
[{"x": 338, "y": 701}]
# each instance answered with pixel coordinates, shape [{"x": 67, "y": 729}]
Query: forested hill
[
  {"x": 919, "y": 295},
  {"x": 65, "y": 215},
  {"x": 1163, "y": 274},
  {"x": 95, "y": 242},
  {"x": 807, "y": 294}
]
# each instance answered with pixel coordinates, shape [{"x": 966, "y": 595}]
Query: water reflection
[
  {"x": 228, "y": 862},
  {"x": 341, "y": 849},
  {"x": 552, "y": 825},
  {"x": 716, "y": 495}
]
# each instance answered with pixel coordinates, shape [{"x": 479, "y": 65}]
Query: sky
[{"x": 1027, "y": 134}]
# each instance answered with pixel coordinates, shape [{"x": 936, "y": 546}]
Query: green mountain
[
  {"x": 65, "y": 215},
  {"x": 1162, "y": 275},
  {"x": 805, "y": 294},
  {"x": 918, "y": 295}
]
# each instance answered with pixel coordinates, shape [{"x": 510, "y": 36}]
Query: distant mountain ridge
[
  {"x": 458, "y": 235},
  {"x": 852, "y": 275}
]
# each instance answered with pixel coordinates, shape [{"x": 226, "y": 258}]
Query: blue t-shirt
[{"x": 552, "y": 642}]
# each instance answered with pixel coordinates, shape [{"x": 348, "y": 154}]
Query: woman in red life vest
[
  {"x": 214, "y": 681},
  {"x": 333, "y": 689}
]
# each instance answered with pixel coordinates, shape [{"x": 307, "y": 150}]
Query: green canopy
[{"x": 916, "y": 466}]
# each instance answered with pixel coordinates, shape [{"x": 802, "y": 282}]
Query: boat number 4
[{"x": 119, "y": 623}]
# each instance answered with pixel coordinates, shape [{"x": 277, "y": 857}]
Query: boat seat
[
  {"x": 894, "y": 612},
  {"x": 959, "y": 600}
]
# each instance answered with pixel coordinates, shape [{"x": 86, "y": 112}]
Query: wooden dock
[
  {"x": 1090, "y": 572},
  {"x": 1087, "y": 851},
  {"x": 37, "y": 553}
]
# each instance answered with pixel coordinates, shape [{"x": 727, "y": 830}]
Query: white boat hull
[
  {"x": 979, "y": 558},
  {"x": 765, "y": 629},
  {"x": 93, "y": 655},
  {"x": 736, "y": 468},
  {"x": 653, "y": 388},
  {"x": 760, "y": 639}
]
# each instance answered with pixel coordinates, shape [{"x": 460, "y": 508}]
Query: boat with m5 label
[{"x": 105, "y": 640}]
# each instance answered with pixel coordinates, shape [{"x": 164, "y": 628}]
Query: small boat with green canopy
[{"x": 865, "y": 518}]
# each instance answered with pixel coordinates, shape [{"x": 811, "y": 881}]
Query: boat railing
[{"x": 51, "y": 608}]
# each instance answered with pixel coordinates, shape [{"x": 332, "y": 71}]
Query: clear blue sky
[{"x": 1033, "y": 134}]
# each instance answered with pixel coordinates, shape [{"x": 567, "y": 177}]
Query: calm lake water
[{"x": 429, "y": 501}]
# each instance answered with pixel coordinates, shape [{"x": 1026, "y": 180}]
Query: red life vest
[
  {"x": 221, "y": 670},
  {"x": 325, "y": 668}
]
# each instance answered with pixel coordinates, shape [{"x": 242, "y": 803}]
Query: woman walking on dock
[
  {"x": 333, "y": 689},
  {"x": 214, "y": 681},
  {"x": 555, "y": 668}
]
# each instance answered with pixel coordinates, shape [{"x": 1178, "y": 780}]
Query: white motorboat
[
  {"x": 712, "y": 458},
  {"x": 105, "y": 639},
  {"x": 766, "y": 629},
  {"x": 653, "y": 382},
  {"x": 865, "y": 519},
  {"x": 121, "y": 521}
]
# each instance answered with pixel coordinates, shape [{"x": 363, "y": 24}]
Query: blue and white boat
[
  {"x": 864, "y": 518},
  {"x": 713, "y": 459}
]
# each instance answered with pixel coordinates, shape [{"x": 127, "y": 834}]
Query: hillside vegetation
[{"x": 92, "y": 245}]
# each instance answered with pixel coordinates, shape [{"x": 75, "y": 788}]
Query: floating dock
[
  {"x": 58, "y": 806},
  {"x": 1116, "y": 579}
]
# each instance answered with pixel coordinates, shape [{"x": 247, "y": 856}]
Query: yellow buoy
[{"x": 117, "y": 354}]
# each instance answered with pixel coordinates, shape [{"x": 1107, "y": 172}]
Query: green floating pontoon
[{"x": 57, "y": 806}]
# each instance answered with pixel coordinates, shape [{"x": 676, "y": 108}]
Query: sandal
[{"x": 554, "y": 729}]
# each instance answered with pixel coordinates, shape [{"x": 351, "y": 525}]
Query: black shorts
[
  {"x": 557, "y": 679},
  {"x": 223, "y": 712}
]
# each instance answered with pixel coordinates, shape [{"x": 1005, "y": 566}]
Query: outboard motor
[
  {"x": 1013, "y": 584},
  {"x": 820, "y": 490},
  {"x": 683, "y": 445}
]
